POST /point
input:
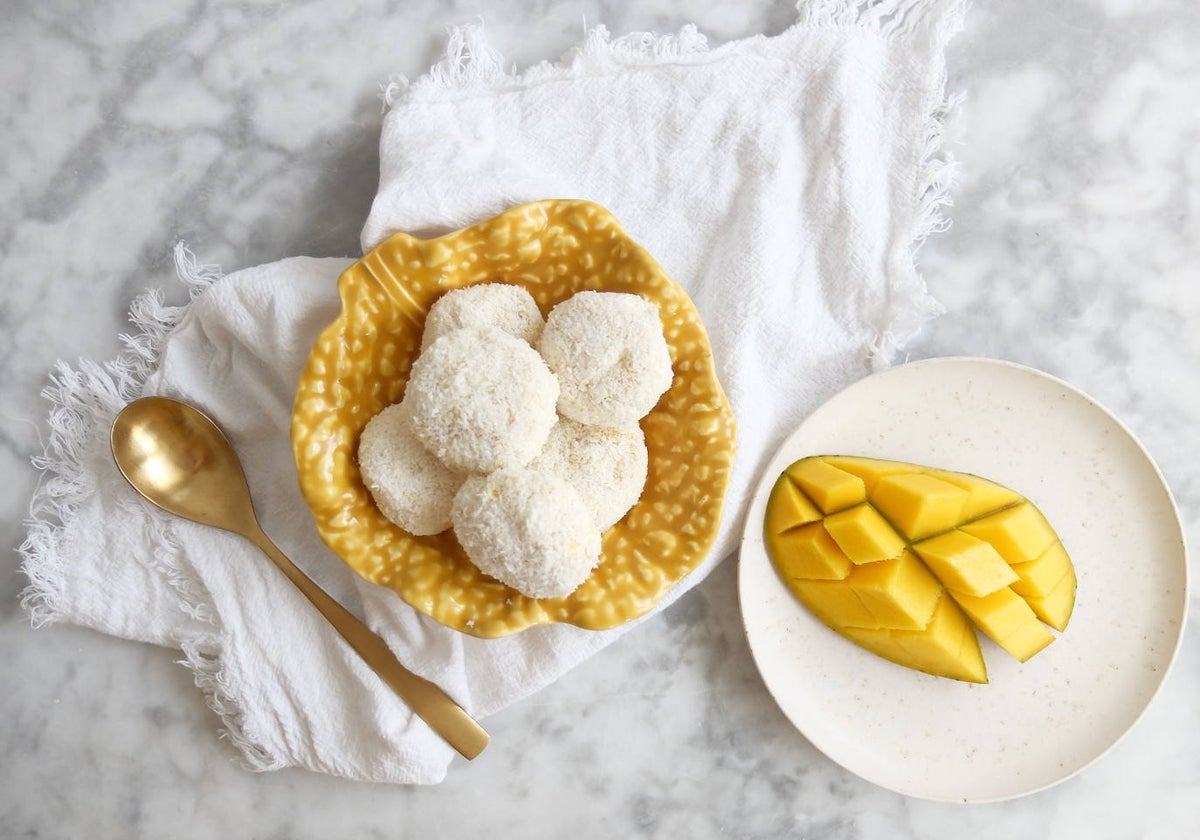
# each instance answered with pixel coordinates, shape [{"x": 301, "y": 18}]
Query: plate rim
[{"x": 763, "y": 485}]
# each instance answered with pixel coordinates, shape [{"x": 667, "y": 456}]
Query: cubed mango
[
  {"x": 788, "y": 507},
  {"x": 919, "y": 505},
  {"x": 1019, "y": 533},
  {"x": 830, "y": 488},
  {"x": 870, "y": 470},
  {"x": 908, "y": 561},
  {"x": 808, "y": 552},
  {"x": 947, "y": 647},
  {"x": 834, "y": 602},
  {"x": 1056, "y": 607},
  {"x": 965, "y": 563},
  {"x": 1039, "y": 577},
  {"x": 880, "y": 641},
  {"x": 864, "y": 535},
  {"x": 899, "y": 593},
  {"x": 983, "y": 497},
  {"x": 1007, "y": 620}
]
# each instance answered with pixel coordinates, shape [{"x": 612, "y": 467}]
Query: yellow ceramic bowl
[{"x": 360, "y": 365}]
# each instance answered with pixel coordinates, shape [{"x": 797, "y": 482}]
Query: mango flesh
[
  {"x": 947, "y": 647},
  {"x": 965, "y": 563},
  {"x": 864, "y": 535},
  {"x": 907, "y": 561},
  {"x": 900, "y": 594},
  {"x": 919, "y": 505},
  {"x": 1007, "y": 620}
]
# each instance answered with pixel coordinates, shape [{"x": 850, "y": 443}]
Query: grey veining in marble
[{"x": 249, "y": 130}]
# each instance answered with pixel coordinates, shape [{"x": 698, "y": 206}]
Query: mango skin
[{"x": 1008, "y": 600}]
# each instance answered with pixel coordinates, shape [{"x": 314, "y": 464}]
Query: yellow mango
[
  {"x": 1056, "y": 607},
  {"x": 864, "y": 535},
  {"x": 808, "y": 552},
  {"x": 789, "y": 507},
  {"x": 899, "y": 593},
  {"x": 834, "y": 602},
  {"x": 1039, "y": 577},
  {"x": 908, "y": 560},
  {"x": 919, "y": 505},
  {"x": 947, "y": 647},
  {"x": 1020, "y": 533},
  {"x": 983, "y": 497},
  {"x": 870, "y": 470},
  {"x": 965, "y": 563},
  {"x": 830, "y": 488},
  {"x": 1007, "y": 620},
  {"x": 881, "y": 642}
]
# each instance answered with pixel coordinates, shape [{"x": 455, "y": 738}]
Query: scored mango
[{"x": 907, "y": 561}]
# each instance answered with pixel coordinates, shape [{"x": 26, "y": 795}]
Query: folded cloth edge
[
  {"x": 90, "y": 393},
  {"x": 471, "y": 66}
]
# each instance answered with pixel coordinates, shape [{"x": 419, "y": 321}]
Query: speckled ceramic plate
[
  {"x": 1034, "y": 724},
  {"x": 360, "y": 365}
]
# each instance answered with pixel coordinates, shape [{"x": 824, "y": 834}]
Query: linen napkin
[{"x": 784, "y": 181}]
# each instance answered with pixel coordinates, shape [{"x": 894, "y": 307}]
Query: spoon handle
[{"x": 427, "y": 701}]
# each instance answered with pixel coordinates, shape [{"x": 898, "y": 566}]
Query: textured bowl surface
[{"x": 360, "y": 365}]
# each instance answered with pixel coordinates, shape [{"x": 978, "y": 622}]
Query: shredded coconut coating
[
  {"x": 528, "y": 529},
  {"x": 481, "y": 400},
  {"x": 607, "y": 467},
  {"x": 412, "y": 488},
  {"x": 610, "y": 356},
  {"x": 508, "y": 308}
]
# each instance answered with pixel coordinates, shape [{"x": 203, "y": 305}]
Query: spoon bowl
[{"x": 178, "y": 459}]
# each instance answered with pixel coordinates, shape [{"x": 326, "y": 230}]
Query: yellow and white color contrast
[{"x": 907, "y": 561}]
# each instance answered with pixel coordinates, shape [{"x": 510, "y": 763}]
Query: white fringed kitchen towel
[{"x": 784, "y": 181}]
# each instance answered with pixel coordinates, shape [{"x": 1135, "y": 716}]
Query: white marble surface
[{"x": 125, "y": 126}]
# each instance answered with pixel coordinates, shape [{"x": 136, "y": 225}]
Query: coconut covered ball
[
  {"x": 607, "y": 467},
  {"x": 527, "y": 529},
  {"x": 412, "y": 488},
  {"x": 508, "y": 308},
  {"x": 608, "y": 351},
  {"x": 481, "y": 400}
]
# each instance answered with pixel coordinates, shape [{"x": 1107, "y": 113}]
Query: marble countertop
[{"x": 249, "y": 129}]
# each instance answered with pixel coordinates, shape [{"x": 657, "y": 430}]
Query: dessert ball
[
  {"x": 607, "y": 467},
  {"x": 481, "y": 400},
  {"x": 508, "y": 308},
  {"x": 608, "y": 351},
  {"x": 528, "y": 529},
  {"x": 409, "y": 484}
]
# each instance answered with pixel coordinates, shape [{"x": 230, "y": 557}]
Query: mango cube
[
  {"x": 965, "y": 564},
  {"x": 899, "y": 593},
  {"x": 984, "y": 496},
  {"x": 919, "y": 505},
  {"x": 808, "y": 552},
  {"x": 1007, "y": 620},
  {"x": 788, "y": 507},
  {"x": 1055, "y": 608},
  {"x": 830, "y": 488},
  {"x": 880, "y": 641},
  {"x": 1039, "y": 577},
  {"x": 834, "y": 602},
  {"x": 864, "y": 535},
  {"x": 870, "y": 470},
  {"x": 947, "y": 647},
  {"x": 1019, "y": 533}
]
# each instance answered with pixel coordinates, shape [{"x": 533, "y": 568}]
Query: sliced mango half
[{"x": 908, "y": 561}]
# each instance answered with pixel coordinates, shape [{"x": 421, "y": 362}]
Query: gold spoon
[{"x": 178, "y": 459}]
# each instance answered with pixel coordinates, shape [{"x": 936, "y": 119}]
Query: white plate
[{"x": 1034, "y": 724}]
